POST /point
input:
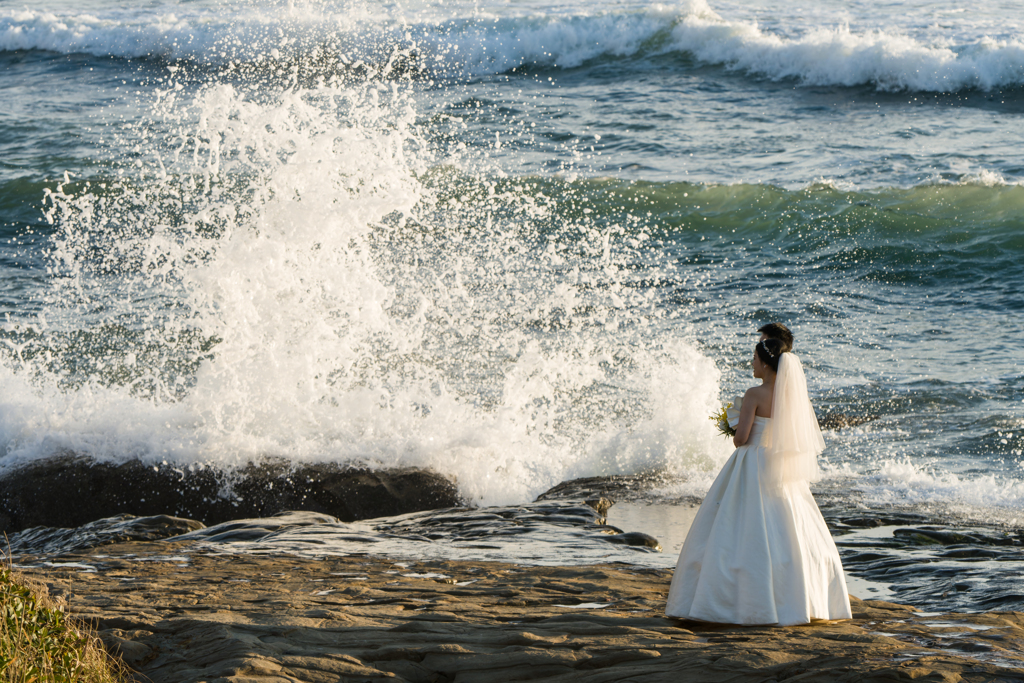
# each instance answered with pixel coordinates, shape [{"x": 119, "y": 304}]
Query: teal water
[{"x": 515, "y": 242}]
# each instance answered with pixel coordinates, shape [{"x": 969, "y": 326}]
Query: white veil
[{"x": 792, "y": 454}]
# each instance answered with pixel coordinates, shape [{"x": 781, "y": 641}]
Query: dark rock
[
  {"x": 921, "y": 536},
  {"x": 71, "y": 490},
  {"x": 635, "y": 538},
  {"x": 622, "y": 487},
  {"x": 843, "y": 421}
]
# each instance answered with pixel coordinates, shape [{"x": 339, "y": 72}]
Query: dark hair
[
  {"x": 780, "y": 332},
  {"x": 770, "y": 352}
]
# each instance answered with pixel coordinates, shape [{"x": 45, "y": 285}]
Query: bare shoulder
[
  {"x": 756, "y": 394},
  {"x": 760, "y": 398}
]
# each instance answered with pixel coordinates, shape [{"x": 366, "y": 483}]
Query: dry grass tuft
[{"x": 39, "y": 643}]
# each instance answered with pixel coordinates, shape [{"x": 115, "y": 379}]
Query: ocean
[{"x": 519, "y": 242}]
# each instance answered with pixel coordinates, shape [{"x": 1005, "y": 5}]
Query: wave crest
[
  {"x": 481, "y": 45},
  {"x": 836, "y": 56}
]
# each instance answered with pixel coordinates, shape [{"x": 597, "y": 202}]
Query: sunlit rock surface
[{"x": 177, "y": 612}]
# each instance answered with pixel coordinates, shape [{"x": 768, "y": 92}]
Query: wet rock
[
  {"x": 937, "y": 536},
  {"x": 936, "y": 568},
  {"x": 635, "y": 538},
  {"x": 840, "y": 517},
  {"x": 241, "y": 530},
  {"x": 928, "y": 537},
  {"x": 70, "y": 490},
  {"x": 546, "y": 532},
  {"x": 621, "y": 487},
  {"x": 44, "y": 540},
  {"x": 843, "y": 421}
]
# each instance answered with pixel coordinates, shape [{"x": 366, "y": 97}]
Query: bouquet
[{"x": 728, "y": 417}]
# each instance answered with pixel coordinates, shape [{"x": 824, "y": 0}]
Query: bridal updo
[{"x": 770, "y": 352}]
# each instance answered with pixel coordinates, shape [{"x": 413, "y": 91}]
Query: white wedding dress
[{"x": 758, "y": 552}]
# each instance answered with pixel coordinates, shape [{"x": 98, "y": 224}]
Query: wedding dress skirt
[{"x": 758, "y": 554}]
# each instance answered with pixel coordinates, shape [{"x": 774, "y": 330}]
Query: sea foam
[
  {"x": 902, "y": 483},
  {"x": 289, "y": 273},
  {"x": 837, "y": 56},
  {"x": 479, "y": 43}
]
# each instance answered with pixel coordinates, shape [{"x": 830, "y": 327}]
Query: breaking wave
[{"x": 481, "y": 43}]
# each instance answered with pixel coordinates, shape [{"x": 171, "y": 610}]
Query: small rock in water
[
  {"x": 843, "y": 421},
  {"x": 934, "y": 536},
  {"x": 635, "y": 538},
  {"x": 617, "y": 487}
]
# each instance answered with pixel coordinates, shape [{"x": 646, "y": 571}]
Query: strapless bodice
[{"x": 758, "y": 430}]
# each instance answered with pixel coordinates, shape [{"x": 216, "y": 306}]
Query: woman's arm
[{"x": 746, "y": 421}]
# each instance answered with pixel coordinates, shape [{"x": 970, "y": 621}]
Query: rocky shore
[
  {"x": 176, "y": 612},
  {"x": 436, "y": 593}
]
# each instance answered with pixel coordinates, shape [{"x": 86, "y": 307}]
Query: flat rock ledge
[
  {"x": 176, "y": 616},
  {"x": 71, "y": 490}
]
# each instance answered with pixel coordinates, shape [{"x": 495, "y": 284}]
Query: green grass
[{"x": 39, "y": 643}]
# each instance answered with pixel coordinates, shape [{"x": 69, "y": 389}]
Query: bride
[{"x": 758, "y": 551}]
